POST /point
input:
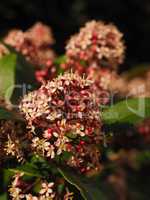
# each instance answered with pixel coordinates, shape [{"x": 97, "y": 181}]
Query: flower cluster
[
  {"x": 11, "y": 137},
  {"x": 21, "y": 189},
  {"x": 101, "y": 78},
  {"x": 94, "y": 51},
  {"x": 64, "y": 117},
  {"x": 34, "y": 44},
  {"x": 98, "y": 43}
]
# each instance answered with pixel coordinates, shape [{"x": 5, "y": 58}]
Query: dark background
[{"x": 66, "y": 16}]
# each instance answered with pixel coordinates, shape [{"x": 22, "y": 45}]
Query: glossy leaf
[
  {"x": 129, "y": 111},
  {"x": 28, "y": 169},
  {"x": 89, "y": 188},
  {"x": 24, "y": 78},
  {"x": 17, "y": 76},
  {"x": 7, "y": 75}
]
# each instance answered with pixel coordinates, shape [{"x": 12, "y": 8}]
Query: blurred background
[{"x": 65, "y": 17}]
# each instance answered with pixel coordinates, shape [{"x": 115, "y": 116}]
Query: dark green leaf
[
  {"x": 28, "y": 169},
  {"x": 24, "y": 78},
  {"x": 128, "y": 111},
  {"x": 5, "y": 114},
  {"x": 89, "y": 187},
  {"x": 6, "y": 177},
  {"x": 9, "y": 115},
  {"x": 37, "y": 167},
  {"x": 3, "y": 196}
]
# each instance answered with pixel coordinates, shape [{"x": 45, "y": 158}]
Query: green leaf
[
  {"x": 89, "y": 187},
  {"x": 9, "y": 115},
  {"x": 3, "y": 196},
  {"x": 129, "y": 111},
  {"x": 36, "y": 167},
  {"x": 7, "y": 75},
  {"x": 24, "y": 78},
  {"x": 28, "y": 169},
  {"x": 6, "y": 177},
  {"x": 58, "y": 61},
  {"x": 17, "y": 76},
  {"x": 5, "y": 114}
]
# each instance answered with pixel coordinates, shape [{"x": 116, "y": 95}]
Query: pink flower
[
  {"x": 98, "y": 43},
  {"x": 62, "y": 113}
]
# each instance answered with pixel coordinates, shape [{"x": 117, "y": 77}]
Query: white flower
[
  {"x": 50, "y": 151},
  {"x": 47, "y": 190},
  {"x": 61, "y": 144},
  {"x": 15, "y": 193}
]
